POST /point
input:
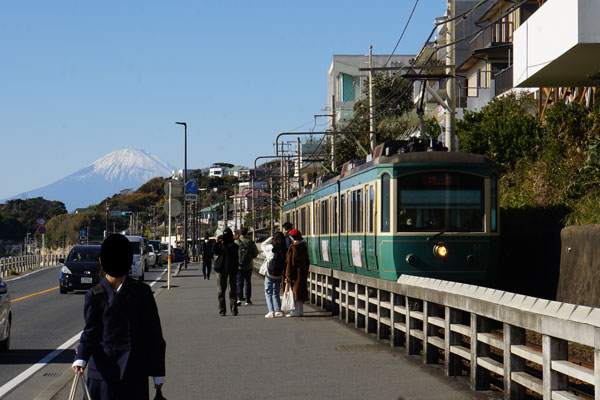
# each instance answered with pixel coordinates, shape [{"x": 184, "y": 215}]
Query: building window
[{"x": 348, "y": 87}]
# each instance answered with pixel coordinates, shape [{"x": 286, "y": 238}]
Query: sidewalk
[{"x": 250, "y": 357}]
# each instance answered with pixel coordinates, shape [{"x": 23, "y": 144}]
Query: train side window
[
  {"x": 310, "y": 227},
  {"x": 494, "y": 195},
  {"x": 352, "y": 211},
  {"x": 385, "y": 203},
  {"x": 371, "y": 208},
  {"x": 324, "y": 217},
  {"x": 318, "y": 218},
  {"x": 343, "y": 213},
  {"x": 303, "y": 220},
  {"x": 334, "y": 216},
  {"x": 357, "y": 210}
]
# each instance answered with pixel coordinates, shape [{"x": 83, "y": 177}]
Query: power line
[{"x": 403, "y": 31}]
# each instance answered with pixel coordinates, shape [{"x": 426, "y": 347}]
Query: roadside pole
[{"x": 170, "y": 256}]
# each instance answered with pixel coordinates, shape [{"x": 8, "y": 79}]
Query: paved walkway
[{"x": 250, "y": 357}]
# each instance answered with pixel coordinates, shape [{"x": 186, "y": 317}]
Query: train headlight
[
  {"x": 411, "y": 259},
  {"x": 440, "y": 250}
]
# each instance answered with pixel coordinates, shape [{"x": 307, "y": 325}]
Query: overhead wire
[
  {"x": 476, "y": 32},
  {"x": 403, "y": 32}
]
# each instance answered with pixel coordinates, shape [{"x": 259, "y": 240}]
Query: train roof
[{"x": 433, "y": 157}]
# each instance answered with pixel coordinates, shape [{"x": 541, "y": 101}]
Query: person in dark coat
[
  {"x": 122, "y": 340},
  {"x": 226, "y": 267},
  {"x": 207, "y": 256},
  {"x": 296, "y": 273},
  {"x": 287, "y": 227}
]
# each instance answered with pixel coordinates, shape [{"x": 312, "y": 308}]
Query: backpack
[
  {"x": 245, "y": 252},
  {"x": 276, "y": 264}
]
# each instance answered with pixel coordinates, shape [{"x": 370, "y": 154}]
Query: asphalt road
[{"x": 43, "y": 320}]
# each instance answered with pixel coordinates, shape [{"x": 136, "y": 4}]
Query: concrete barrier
[{"x": 26, "y": 263}]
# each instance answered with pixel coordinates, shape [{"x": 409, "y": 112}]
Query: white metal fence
[
  {"x": 26, "y": 263},
  {"x": 451, "y": 322}
]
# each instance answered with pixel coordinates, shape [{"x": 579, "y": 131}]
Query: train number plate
[{"x": 87, "y": 280}]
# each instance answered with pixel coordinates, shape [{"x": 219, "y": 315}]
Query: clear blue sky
[{"x": 82, "y": 78}]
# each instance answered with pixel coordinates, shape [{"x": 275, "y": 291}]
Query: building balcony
[
  {"x": 559, "y": 46},
  {"x": 504, "y": 80},
  {"x": 498, "y": 34}
]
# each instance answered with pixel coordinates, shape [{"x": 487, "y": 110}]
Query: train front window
[{"x": 445, "y": 201}]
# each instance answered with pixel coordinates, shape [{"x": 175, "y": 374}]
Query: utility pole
[
  {"x": 451, "y": 81},
  {"x": 170, "y": 256},
  {"x": 271, "y": 190},
  {"x": 253, "y": 211},
  {"x": 371, "y": 110},
  {"x": 333, "y": 128},
  {"x": 106, "y": 220},
  {"x": 282, "y": 183}
]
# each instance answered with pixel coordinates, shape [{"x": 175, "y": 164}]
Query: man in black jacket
[
  {"x": 207, "y": 256},
  {"x": 122, "y": 340},
  {"x": 226, "y": 267}
]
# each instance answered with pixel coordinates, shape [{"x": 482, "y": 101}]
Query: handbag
[
  {"x": 263, "y": 268},
  {"x": 287, "y": 302},
  {"x": 76, "y": 379}
]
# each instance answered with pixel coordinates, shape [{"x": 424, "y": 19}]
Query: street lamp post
[{"x": 185, "y": 243}]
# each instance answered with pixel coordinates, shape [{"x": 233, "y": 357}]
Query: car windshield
[
  {"x": 440, "y": 201},
  {"x": 136, "y": 247},
  {"x": 87, "y": 255}
]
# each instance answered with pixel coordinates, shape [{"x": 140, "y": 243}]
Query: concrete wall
[{"x": 579, "y": 280}]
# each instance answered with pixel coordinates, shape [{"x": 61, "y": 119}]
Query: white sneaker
[
  {"x": 269, "y": 314},
  {"x": 278, "y": 314}
]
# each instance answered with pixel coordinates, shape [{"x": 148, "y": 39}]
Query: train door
[
  {"x": 370, "y": 228},
  {"x": 318, "y": 232},
  {"x": 335, "y": 238},
  {"x": 345, "y": 241}
]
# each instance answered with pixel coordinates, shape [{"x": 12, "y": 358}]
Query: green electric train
[{"x": 425, "y": 213}]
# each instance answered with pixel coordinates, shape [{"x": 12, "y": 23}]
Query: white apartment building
[{"x": 346, "y": 82}]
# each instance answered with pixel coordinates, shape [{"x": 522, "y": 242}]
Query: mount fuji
[{"x": 117, "y": 170}]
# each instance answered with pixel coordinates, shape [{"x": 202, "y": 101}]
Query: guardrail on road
[
  {"x": 485, "y": 327},
  {"x": 26, "y": 263}
]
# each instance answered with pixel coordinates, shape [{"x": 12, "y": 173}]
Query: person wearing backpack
[
  {"x": 122, "y": 340},
  {"x": 275, "y": 270},
  {"x": 247, "y": 252}
]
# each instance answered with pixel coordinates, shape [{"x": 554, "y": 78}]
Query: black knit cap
[{"x": 116, "y": 255}]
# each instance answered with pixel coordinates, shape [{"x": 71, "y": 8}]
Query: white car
[
  {"x": 139, "y": 245},
  {"x": 151, "y": 255}
]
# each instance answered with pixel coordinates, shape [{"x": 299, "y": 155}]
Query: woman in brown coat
[{"x": 296, "y": 274}]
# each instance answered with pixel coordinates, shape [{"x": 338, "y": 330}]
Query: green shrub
[{"x": 504, "y": 130}]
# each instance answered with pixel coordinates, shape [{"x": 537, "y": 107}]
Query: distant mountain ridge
[{"x": 117, "y": 170}]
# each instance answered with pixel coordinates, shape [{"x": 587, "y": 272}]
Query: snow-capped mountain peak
[
  {"x": 117, "y": 170},
  {"x": 130, "y": 164}
]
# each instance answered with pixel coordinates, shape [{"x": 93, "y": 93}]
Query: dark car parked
[
  {"x": 81, "y": 269},
  {"x": 5, "y": 317},
  {"x": 178, "y": 255}
]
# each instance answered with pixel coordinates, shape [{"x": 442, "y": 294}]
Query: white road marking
[
  {"x": 23, "y": 376},
  {"x": 17, "y": 380}
]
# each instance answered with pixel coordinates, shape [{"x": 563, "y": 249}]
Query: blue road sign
[
  {"x": 83, "y": 233},
  {"x": 42, "y": 230},
  {"x": 191, "y": 186}
]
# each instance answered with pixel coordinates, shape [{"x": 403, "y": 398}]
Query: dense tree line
[{"x": 19, "y": 217}]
